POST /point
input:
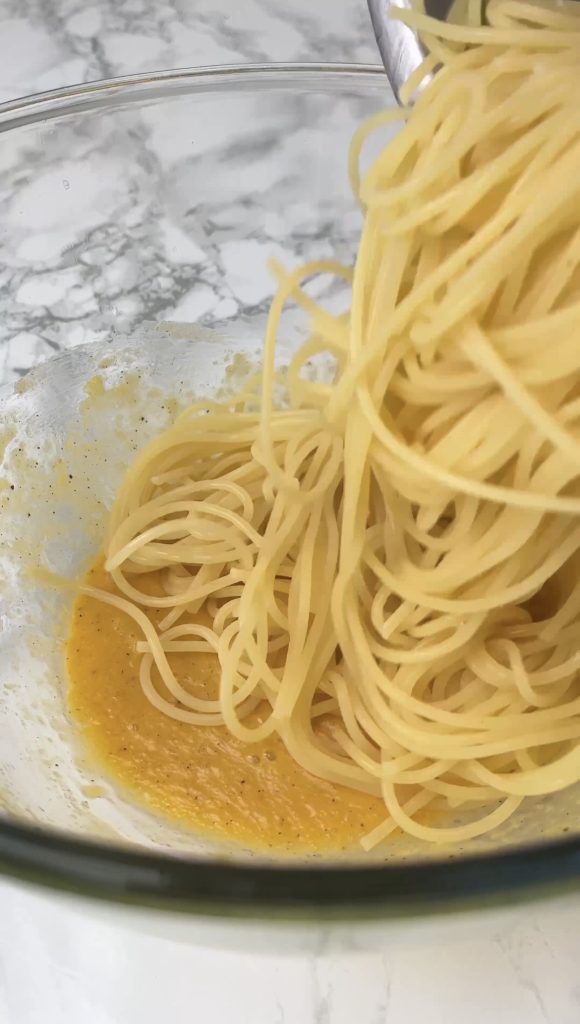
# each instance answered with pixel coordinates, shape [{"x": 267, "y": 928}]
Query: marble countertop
[
  {"x": 46, "y": 44},
  {"x": 57, "y": 967}
]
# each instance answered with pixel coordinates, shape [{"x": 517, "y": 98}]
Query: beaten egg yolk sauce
[{"x": 199, "y": 776}]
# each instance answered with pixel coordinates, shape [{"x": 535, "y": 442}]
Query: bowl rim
[
  {"x": 149, "y": 85},
  {"x": 310, "y": 891},
  {"x": 280, "y": 891}
]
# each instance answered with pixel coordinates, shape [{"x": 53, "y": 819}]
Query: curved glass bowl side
[
  {"x": 262, "y": 891},
  {"x": 160, "y": 197}
]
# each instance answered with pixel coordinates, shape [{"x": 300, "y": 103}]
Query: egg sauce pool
[{"x": 200, "y": 776}]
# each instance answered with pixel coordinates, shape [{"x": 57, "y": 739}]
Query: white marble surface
[
  {"x": 57, "y": 966},
  {"x": 46, "y": 44}
]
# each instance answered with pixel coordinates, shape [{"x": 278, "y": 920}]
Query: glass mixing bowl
[{"x": 136, "y": 219}]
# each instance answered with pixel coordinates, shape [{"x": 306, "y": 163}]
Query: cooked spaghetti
[{"x": 387, "y": 559}]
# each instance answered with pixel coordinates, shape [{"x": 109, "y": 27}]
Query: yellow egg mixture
[{"x": 199, "y": 776}]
